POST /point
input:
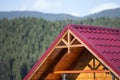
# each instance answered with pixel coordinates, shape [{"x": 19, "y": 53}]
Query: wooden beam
[
  {"x": 77, "y": 45},
  {"x": 80, "y": 71},
  {"x": 63, "y": 40},
  {"x": 72, "y": 40},
  {"x": 69, "y": 37},
  {"x": 61, "y": 47}
]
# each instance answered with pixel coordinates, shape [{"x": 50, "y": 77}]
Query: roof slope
[{"x": 103, "y": 43}]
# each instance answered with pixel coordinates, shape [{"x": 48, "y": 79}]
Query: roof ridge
[{"x": 94, "y": 27}]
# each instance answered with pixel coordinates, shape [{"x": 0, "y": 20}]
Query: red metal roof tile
[{"x": 104, "y": 42}]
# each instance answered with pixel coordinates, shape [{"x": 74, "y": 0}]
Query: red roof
[{"x": 103, "y": 43}]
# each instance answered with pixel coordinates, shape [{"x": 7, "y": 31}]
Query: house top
[{"x": 103, "y": 43}]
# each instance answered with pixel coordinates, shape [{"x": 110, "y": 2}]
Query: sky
[{"x": 73, "y": 7}]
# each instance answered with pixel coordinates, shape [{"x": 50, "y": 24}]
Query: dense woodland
[{"x": 24, "y": 40}]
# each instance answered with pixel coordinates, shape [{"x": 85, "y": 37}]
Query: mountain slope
[
  {"x": 111, "y": 13},
  {"x": 47, "y": 16}
]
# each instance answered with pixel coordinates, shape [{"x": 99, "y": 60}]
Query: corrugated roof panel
[{"x": 106, "y": 41}]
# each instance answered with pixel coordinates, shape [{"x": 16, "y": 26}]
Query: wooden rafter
[{"x": 69, "y": 41}]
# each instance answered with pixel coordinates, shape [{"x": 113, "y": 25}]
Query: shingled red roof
[{"x": 103, "y": 43}]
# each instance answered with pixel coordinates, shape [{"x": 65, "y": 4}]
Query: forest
[{"x": 24, "y": 40}]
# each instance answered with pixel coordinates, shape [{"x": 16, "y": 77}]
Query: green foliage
[
  {"x": 23, "y": 70},
  {"x": 23, "y": 40}
]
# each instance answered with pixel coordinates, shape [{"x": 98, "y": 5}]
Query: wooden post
[
  {"x": 64, "y": 77},
  {"x": 68, "y": 43}
]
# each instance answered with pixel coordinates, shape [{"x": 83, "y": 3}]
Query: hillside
[
  {"x": 111, "y": 13},
  {"x": 47, "y": 16}
]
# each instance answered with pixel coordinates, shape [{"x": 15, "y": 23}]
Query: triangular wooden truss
[{"x": 69, "y": 41}]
